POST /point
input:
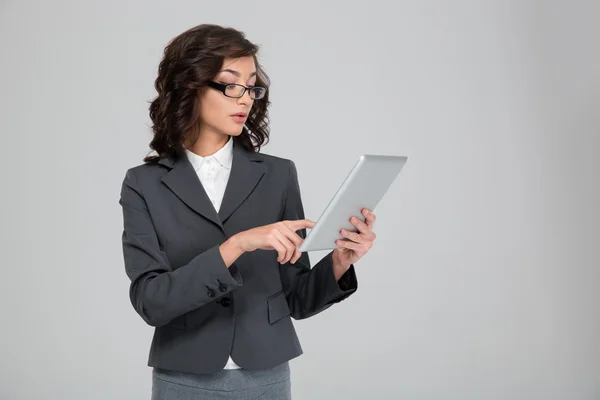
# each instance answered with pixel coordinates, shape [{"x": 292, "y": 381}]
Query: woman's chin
[{"x": 236, "y": 132}]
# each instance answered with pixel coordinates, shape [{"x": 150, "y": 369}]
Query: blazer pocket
[{"x": 278, "y": 307}]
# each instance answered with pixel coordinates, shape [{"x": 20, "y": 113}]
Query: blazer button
[
  {"x": 210, "y": 293},
  {"x": 223, "y": 287},
  {"x": 225, "y": 301}
]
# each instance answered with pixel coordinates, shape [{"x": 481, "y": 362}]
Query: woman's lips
[{"x": 239, "y": 117}]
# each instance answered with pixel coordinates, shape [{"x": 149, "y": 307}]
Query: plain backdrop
[{"x": 484, "y": 281}]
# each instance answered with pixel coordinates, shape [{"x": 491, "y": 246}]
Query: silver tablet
[{"x": 364, "y": 187}]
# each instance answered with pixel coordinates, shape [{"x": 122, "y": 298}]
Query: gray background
[{"x": 484, "y": 280}]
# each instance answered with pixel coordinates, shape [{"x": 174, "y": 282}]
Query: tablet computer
[{"x": 364, "y": 187}]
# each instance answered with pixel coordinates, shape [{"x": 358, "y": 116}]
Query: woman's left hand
[{"x": 356, "y": 245}]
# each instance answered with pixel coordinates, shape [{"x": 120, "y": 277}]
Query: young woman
[{"x": 212, "y": 228}]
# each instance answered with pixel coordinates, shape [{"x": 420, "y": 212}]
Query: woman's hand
[
  {"x": 356, "y": 245},
  {"x": 280, "y": 236}
]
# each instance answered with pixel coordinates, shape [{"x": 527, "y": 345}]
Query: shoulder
[
  {"x": 284, "y": 169},
  {"x": 147, "y": 171},
  {"x": 279, "y": 164},
  {"x": 153, "y": 171}
]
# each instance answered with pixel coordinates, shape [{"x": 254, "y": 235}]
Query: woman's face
[{"x": 217, "y": 111}]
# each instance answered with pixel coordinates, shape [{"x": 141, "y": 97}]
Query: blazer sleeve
[
  {"x": 157, "y": 292},
  {"x": 310, "y": 291}
]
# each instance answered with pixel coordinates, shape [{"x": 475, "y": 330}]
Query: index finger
[{"x": 301, "y": 224}]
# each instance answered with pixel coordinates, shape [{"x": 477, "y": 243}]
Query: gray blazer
[{"x": 203, "y": 311}]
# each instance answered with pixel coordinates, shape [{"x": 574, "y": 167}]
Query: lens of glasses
[
  {"x": 257, "y": 92},
  {"x": 237, "y": 91}
]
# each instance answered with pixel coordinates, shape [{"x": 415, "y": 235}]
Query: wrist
[
  {"x": 339, "y": 268},
  {"x": 236, "y": 244},
  {"x": 231, "y": 250}
]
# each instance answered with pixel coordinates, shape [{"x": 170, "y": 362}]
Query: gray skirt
[{"x": 240, "y": 384}]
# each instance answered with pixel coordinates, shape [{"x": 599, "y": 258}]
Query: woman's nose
[{"x": 245, "y": 99}]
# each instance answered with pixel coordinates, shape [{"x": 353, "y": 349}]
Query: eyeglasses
[{"x": 236, "y": 91}]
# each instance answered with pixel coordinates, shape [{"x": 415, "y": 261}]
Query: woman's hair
[{"x": 190, "y": 61}]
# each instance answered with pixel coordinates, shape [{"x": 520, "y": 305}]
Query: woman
[{"x": 212, "y": 228}]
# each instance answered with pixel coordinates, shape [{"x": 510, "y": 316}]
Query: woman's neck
[{"x": 207, "y": 144}]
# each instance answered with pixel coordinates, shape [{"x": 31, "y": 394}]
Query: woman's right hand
[{"x": 280, "y": 236}]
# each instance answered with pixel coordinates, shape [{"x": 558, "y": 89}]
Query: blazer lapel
[
  {"x": 184, "y": 182},
  {"x": 246, "y": 172}
]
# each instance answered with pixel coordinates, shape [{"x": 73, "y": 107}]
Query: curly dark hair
[{"x": 190, "y": 61}]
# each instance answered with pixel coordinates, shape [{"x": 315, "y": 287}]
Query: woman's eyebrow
[{"x": 236, "y": 73}]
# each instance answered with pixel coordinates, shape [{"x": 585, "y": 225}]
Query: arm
[
  {"x": 157, "y": 292},
  {"x": 312, "y": 290}
]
